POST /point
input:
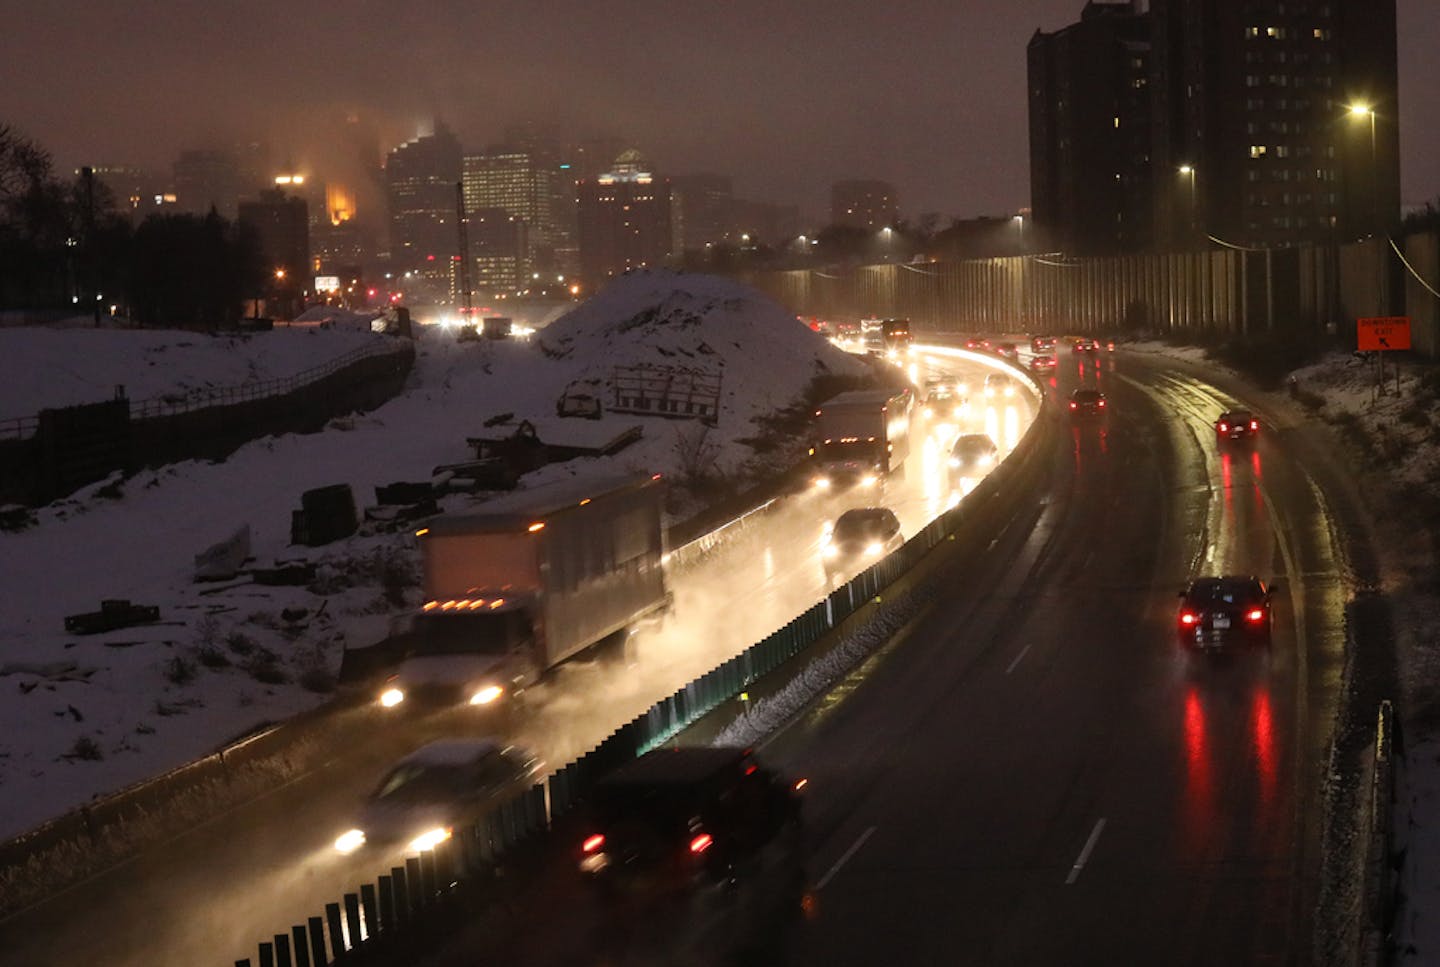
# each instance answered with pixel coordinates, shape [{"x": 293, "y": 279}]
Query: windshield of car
[
  {"x": 870, "y": 522},
  {"x": 421, "y": 782},
  {"x": 1086, "y": 396}
]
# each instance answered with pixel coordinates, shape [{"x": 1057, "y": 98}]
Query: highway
[
  {"x": 1036, "y": 772},
  {"x": 210, "y": 894}
]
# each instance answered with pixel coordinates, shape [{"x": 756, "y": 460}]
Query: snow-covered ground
[{"x": 86, "y": 715}]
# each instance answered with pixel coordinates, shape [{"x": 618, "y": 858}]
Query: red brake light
[
  {"x": 1224, "y": 427},
  {"x": 1073, "y": 404},
  {"x": 1187, "y": 617},
  {"x": 1254, "y": 424},
  {"x": 701, "y": 843},
  {"x": 592, "y": 843},
  {"x": 1255, "y": 614},
  {"x": 1102, "y": 403}
]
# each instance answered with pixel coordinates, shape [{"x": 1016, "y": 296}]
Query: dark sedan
[
  {"x": 1087, "y": 403},
  {"x": 1237, "y": 425},
  {"x": 1216, "y": 611}
]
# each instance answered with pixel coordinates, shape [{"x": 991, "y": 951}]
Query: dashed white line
[
  {"x": 1023, "y": 652},
  {"x": 1085, "y": 853},
  {"x": 854, "y": 848}
]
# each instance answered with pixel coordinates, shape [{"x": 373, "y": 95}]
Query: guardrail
[
  {"x": 533, "y": 814},
  {"x": 1377, "y": 909},
  {"x": 172, "y": 404}
]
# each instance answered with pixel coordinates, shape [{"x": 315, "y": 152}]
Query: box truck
[
  {"x": 861, "y": 437},
  {"x": 536, "y": 578}
]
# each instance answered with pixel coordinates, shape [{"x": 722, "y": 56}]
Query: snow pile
[
  {"x": 700, "y": 324},
  {"x": 50, "y": 367},
  {"x": 336, "y": 318}
]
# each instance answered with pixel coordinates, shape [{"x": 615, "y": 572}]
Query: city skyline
[{"x": 786, "y": 102}]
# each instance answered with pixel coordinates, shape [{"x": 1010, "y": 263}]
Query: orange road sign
[{"x": 1382, "y": 333}]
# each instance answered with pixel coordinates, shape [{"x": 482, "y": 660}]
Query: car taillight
[
  {"x": 1254, "y": 425},
  {"x": 1224, "y": 428},
  {"x": 1188, "y": 617},
  {"x": 701, "y": 843},
  {"x": 1255, "y": 614},
  {"x": 592, "y": 843},
  {"x": 1073, "y": 405},
  {"x": 1101, "y": 403}
]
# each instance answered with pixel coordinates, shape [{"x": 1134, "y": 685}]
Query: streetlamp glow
[{"x": 1359, "y": 111}]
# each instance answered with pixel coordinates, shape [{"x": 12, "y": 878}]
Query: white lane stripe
[
  {"x": 854, "y": 848},
  {"x": 1085, "y": 853},
  {"x": 1023, "y": 652}
]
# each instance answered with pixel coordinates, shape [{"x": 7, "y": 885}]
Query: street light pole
[
  {"x": 1358, "y": 110},
  {"x": 1189, "y": 172}
]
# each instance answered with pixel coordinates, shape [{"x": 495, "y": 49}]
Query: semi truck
[
  {"x": 534, "y": 579},
  {"x": 861, "y": 437}
]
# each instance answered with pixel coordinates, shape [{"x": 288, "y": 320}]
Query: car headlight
[
  {"x": 874, "y": 549},
  {"x": 929, "y": 411},
  {"x": 822, "y": 483},
  {"x": 869, "y": 480},
  {"x": 430, "y": 839},
  {"x": 987, "y": 459},
  {"x": 954, "y": 461},
  {"x": 350, "y": 840},
  {"x": 487, "y": 695},
  {"x": 829, "y": 549},
  {"x": 391, "y": 697}
]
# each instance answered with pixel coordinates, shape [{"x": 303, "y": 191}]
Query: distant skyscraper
[
  {"x": 705, "y": 206},
  {"x": 207, "y": 179},
  {"x": 515, "y": 181},
  {"x": 420, "y": 177},
  {"x": 1090, "y": 131},
  {"x": 863, "y": 204},
  {"x": 281, "y": 225},
  {"x": 625, "y": 220},
  {"x": 498, "y": 250}
]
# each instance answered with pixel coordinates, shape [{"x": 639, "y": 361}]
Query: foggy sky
[{"x": 785, "y": 96}]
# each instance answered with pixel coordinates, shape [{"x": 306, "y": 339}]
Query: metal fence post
[
  {"x": 317, "y": 942},
  {"x": 337, "y": 934}
]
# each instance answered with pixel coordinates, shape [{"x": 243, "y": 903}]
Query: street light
[
  {"x": 1365, "y": 110},
  {"x": 1189, "y": 172}
]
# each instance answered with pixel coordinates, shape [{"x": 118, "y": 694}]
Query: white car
[{"x": 425, "y": 796}]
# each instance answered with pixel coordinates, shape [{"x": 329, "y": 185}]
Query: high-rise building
[
  {"x": 420, "y": 177},
  {"x": 281, "y": 226},
  {"x": 864, "y": 203},
  {"x": 498, "y": 250},
  {"x": 1270, "y": 122},
  {"x": 516, "y": 182},
  {"x": 705, "y": 208},
  {"x": 1090, "y": 131},
  {"x": 206, "y": 179},
  {"x": 625, "y": 220},
  {"x": 1257, "y": 142}
]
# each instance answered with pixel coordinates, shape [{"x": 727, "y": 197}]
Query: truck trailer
[
  {"x": 861, "y": 437},
  {"x": 534, "y": 579}
]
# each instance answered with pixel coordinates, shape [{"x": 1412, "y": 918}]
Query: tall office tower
[
  {"x": 498, "y": 249},
  {"x": 864, "y": 203},
  {"x": 420, "y": 178},
  {"x": 1276, "y": 120},
  {"x": 625, "y": 220},
  {"x": 556, "y": 233},
  {"x": 1090, "y": 131},
  {"x": 512, "y": 179},
  {"x": 281, "y": 225},
  {"x": 705, "y": 206},
  {"x": 206, "y": 179}
]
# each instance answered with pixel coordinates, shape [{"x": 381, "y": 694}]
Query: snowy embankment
[{"x": 86, "y": 715}]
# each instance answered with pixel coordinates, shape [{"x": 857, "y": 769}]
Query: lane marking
[
  {"x": 1085, "y": 853},
  {"x": 1023, "y": 652},
  {"x": 845, "y": 858}
]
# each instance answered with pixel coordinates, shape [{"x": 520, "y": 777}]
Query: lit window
[{"x": 1257, "y": 150}]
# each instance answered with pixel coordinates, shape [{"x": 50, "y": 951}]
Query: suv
[
  {"x": 1217, "y": 610},
  {"x": 861, "y": 535},
  {"x": 676, "y": 822},
  {"x": 999, "y": 384},
  {"x": 1236, "y": 425},
  {"x": 972, "y": 454},
  {"x": 428, "y": 793}
]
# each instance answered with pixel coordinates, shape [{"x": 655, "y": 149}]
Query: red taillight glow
[
  {"x": 701, "y": 843},
  {"x": 1074, "y": 405},
  {"x": 1254, "y": 424},
  {"x": 1255, "y": 614},
  {"x": 592, "y": 843},
  {"x": 1187, "y": 617},
  {"x": 1101, "y": 404},
  {"x": 1224, "y": 428}
]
